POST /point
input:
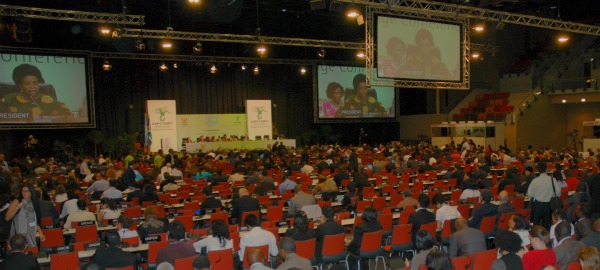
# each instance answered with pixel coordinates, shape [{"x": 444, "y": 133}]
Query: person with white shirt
[
  {"x": 112, "y": 192},
  {"x": 445, "y": 211},
  {"x": 218, "y": 240},
  {"x": 70, "y": 205},
  {"x": 256, "y": 237},
  {"x": 558, "y": 216},
  {"x": 108, "y": 210},
  {"x": 307, "y": 169},
  {"x": 176, "y": 173},
  {"x": 165, "y": 169},
  {"x": 81, "y": 214},
  {"x": 123, "y": 224}
]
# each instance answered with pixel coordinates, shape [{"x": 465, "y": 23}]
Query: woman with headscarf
[{"x": 29, "y": 99}]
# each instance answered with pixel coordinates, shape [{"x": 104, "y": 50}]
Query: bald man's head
[
  {"x": 256, "y": 255},
  {"x": 243, "y": 192},
  {"x": 503, "y": 196},
  {"x": 460, "y": 223}
]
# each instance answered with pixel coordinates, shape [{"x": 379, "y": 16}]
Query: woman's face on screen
[
  {"x": 337, "y": 95},
  {"x": 30, "y": 85}
]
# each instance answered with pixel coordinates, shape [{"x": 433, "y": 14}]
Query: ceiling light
[
  {"x": 243, "y": 67},
  {"x": 197, "y": 49},
  {"x": 583, "y": 100},
  {"x": 104, "y": 30},
  {"x": 117, "y": 33},
  {"x": 163, "y": 67},
  {"x": 261, "y": 49},
  {"x": 302, "y": 70},
  {"x": 167, "y": 44},
  {"x": 175, "y": 65},
  {"x": 475, "y": 55},
  {"x": 194, "y": 1},
  {"x": 564, "y": 101},
  {"x": 213, "y": 69},
  {"x": 360, "y": 54},
  {"x": 352, "y": 12},
  {"x": 256, "y": 71},
  {"x": 563, "y": 39},
  {"x": 479, "y": 28},
  {"x": 321, "y": 53},
  {"x": 106, "y": 66}
]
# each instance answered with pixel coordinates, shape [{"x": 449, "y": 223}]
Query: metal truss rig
[
  {"x": 179, "y": 35},
  {"x": 71, "y": 15},
  {"x": 430, "y": 7},
  {"x": 213, "y": 59}
]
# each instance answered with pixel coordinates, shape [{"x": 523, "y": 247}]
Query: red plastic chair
[
  {"x": 222, "y": 259},
  {"x": 464, "y": 210},
  {"x": 153, "y": 249},
  {"x": 462, "y": 263},
  {"x": 274, "y": 213},
  {"x": 386, "y": 221},
  {"x": 54, "y": 238},
  {"x": 244, "y": 214},
  {"x": 188, "y": 222},
  {"x": 487, "y": 225},
  {"x": 87, "y": 234},
  {"x": 47, "y": 221},
  {"x": 370, "y": 248},
  {"x": 333, "y": 250},
  {"x": 131, "y": 241},
  {"x": 184, "y": 263},
  {"x": 404, "y": 216},
  {"x": 67, "y": 261},
  {"x": 306, "y": 249},
  {"x": 574, "y": 266},
  {"x": 430, "y": 227},
  {"x": 484, "y": 259},
  {"x": 133, "y": 212},
  {"x": 401, "y": 240},
  {"x": 503, "y": 223}
]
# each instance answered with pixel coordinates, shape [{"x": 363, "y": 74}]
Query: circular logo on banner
[{"x": 212, "y": 120}]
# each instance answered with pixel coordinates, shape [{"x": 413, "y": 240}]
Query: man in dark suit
[
  {"x": 329, "y": 227},
  {"x": 136, "y": 193},
  {"x": 18, "y": 259},
  {"x": 466, "y": 241},
  {"x": 459, "y": 174},
  {"x": 217, "y": 177},
  {"x": 421, "y": 216},
  {"x": 263, "y": 186},
  {"x": 47, "y": 208},
  {"x": 129, "y": 174},
  {"x": 171, "y": 158},
  {"x": 342, "y": 175},
  {"x": 244, "y": 203},
  {"x": 582, "y": 212},
  {"x": 485, "y": 210},
  {"x": 567, "y": 247},
  {"x": 211, "y": 202},
  {"x": 111, "y": 256},
  {"x": 593, "y": 237}
]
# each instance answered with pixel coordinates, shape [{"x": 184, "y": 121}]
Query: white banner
[
  {"x": 162, "y": 119},
  {"x": 260, "y": 122}
]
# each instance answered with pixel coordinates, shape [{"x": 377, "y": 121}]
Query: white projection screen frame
[{"x": 452, "y": 72}]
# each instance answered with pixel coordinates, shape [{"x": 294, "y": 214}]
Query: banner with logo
[
  {"x": 259, "y": 119},
  {"x": 162, "y": 121},
  {"x": 190, "y": 127}
]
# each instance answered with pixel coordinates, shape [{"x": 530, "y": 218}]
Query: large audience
[{"x": 543, "y": 205}]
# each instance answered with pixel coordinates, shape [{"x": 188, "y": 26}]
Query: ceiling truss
[
  {"x": 70, "y": 15},
  {"x": 439, "y": 8}
]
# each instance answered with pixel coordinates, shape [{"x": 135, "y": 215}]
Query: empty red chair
[
  {"x": 306, "y": 249},
  {"x": 222, "y": 259},
  {"x": 333, "y": 250},
  {"x": 462, "y": 263},
  {"x": 370, "y": 248},
  {"x": 54, "y": 238},
  {"x": 484, "y": 259},
  {"x": 67, "y": 261},
  {"x": 401, "y": 239},
  {"x": 86, "y": 234},
  {"x": 184, "y": 263},
  {"x": 188, "y": 222}
]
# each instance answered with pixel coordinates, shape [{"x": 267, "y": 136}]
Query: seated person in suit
[
  {"x": 29, "y": 100},
  {"x": 369, "y": 224},
  {"x": 287, "y": 251},
  {"x": 361, "y": 104},
  {"x": 421, "y": 216},
  {"x": 263, "y": 186},
  {"x": 567, "y": 247},
  {"x": 466, "y": 241},
  {"x": 111, "y": 255},
  {"x": 485, "y": 210},
  {"x": 244, "y": 203},
  {"x": 210, "y": 202},
  {"x": 178, "y": 246},
  {"x": 328, "y": 227},
  {"x": 300, "y": 200},
  {"x": 18, "y": 259}
]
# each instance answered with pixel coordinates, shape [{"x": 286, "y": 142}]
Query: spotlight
[
  {"x": 352, "y": 12},
  {"x": 106, "y": 66},
  {"x": 302, "y": 71},
  {"x": 563, "y": 39},
  {"x": 256, "y": 71},
  {"x": 175, "y": 65},
  {"x": 140, "y": 45},
  {"x": 475, "y": 55},
  {"x": 104, "y": 30},
  {"x": 163, "y": 67},
  {"x": 479, "y": 28},
  {"x": 564, "y": 101},
  {"x": 321, "y": 53},
  {"x": 583, "y": 100},
  {"x": 261, "y": 50},
  {"x": 197, "y": 49},
  {"x": 167, "y": 44},
  {"x": 360, "y": 54},
  {"x": 194, "y": 1},
  {"x": 213, "y": 69},
  {"x": 243, "y": 67}
]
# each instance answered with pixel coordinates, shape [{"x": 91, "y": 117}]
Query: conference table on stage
[{"x": 258, "y": 144}]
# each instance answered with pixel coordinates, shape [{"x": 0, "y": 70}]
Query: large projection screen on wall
[
  {"x": 45, "y": 89},
  {"x": 342, "y": 95},
  {"x": 418, "y": 50}
]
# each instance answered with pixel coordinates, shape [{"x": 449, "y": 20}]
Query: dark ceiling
[{"x": 282, "y": 18}]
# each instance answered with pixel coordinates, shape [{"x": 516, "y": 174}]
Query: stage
[{"x": 250, "y": 145}]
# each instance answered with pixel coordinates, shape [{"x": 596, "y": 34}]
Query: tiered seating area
[{"x": 486, "y": 107}]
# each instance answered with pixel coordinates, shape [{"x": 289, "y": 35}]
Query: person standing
[
  {"x": 26, "y": 216},
  {"x": 541, "y": 192}
]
